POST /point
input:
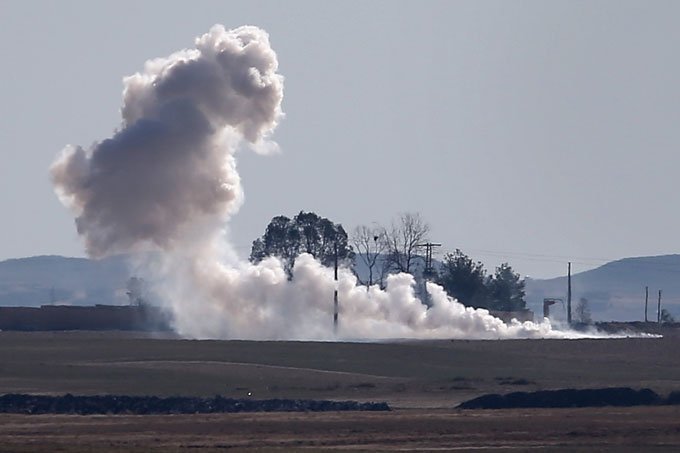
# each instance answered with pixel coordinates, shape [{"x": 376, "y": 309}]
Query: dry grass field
[
  {"x": 566, "y": 430},
  {"x": 421, "y": 380}
]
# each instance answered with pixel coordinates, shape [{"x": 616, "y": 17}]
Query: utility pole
[
  {"x": 569, "y": 294},
  {"x": 646, "y": 300},
  {"x": 658, "y": 309},
  {"x": 335, "y": 294},
  {"x": 428, "y": 272},
  {"x": 429, "y": 247}
]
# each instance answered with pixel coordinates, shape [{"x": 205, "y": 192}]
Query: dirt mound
[
  {"x": 619, "y": 396},
  {"x": 118, "y": 404}
]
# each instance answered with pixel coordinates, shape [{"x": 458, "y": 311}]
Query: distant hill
[
  {"x": 616, "y": 290},
  {"x": 42, "y": 280}
]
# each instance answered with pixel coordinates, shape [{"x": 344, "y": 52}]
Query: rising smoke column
[
  {"x": 168, "y": 174},
  {"x": 166, "y": 180}
]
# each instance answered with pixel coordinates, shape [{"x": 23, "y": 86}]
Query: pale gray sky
[{"x": 532, "y": 132}]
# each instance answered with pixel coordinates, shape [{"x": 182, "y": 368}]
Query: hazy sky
[{"x": 532, "y": 132}]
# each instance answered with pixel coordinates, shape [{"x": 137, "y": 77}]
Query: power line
[
  {"x": 665, "y": 267},
  {"x": 429, "y": 247},
  {"x": 541, "y": 256},
  {"x": 547, "y": 258}
]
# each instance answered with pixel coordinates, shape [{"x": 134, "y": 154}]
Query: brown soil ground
[
  {"x": 422, "y": 380},
  {"x": 640, "y": 429}
]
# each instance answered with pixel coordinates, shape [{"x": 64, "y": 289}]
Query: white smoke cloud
[
  {"x": 167, "y": 180},
  {"x": 168, "y": 173}
]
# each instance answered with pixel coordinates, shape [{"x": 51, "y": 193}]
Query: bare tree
[
  {"x": 370, "y": 244},
  {"x": 403, "y": 240},
  {"x": 666, "y": 316},
  {"x": 583, "y": 311}
]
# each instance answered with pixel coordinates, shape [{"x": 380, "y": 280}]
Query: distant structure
[
  {"x": 546, "y": 307},
  {"x": 71, "y": 317},
  {"x": 569, "y": 295},
  {"x": 139, "y": 315}
]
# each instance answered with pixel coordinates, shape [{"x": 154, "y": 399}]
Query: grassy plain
[{"x": 422, "y": 380}]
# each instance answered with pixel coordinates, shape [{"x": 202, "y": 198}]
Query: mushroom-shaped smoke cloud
[{"x": 169, "y": 170}]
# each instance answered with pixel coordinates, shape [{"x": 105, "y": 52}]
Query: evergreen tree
[
  {"x": 506, "y": 289},
  {"x": 464, "y": 280}
]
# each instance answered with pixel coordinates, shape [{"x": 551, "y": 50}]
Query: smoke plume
[
  {"x": 166, "y": 180},
  {"x": 168, "y": 173}
]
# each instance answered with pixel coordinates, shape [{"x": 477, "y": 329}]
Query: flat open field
[
  {"x": 586, "y": 430},
  {"x": 422, "y": 380}
]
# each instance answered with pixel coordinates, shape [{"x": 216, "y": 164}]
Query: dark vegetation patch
[
  {"x": 142, "y": 405},
  {"x": 618, "y": 396},
  {"x": 513, "y": 381},
  {"x": 673, "y": 398}
]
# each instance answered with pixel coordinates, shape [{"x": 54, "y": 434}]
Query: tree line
[{"x": 384, "y": 250}]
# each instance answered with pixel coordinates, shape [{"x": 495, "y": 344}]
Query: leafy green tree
[
  {"x": 464, "y": 279},
  {"x": 506, "y": 289},
  {"x": 307, "y": 232},
  {"x": 280, "y": 239}
]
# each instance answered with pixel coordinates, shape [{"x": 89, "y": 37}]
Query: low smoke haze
[{"x": 529, "y": 132}]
